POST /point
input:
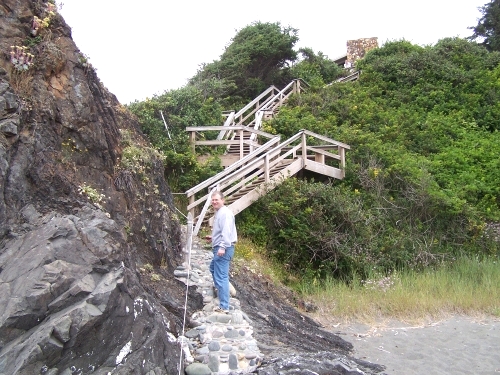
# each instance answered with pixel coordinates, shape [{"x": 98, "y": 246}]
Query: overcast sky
[{"x": 142, "y": 48}]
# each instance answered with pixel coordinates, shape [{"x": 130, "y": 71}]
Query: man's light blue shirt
[{"x": 224, "y": 229}]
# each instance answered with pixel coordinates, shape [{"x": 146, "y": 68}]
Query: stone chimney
[{"x": 356, "y": 49}]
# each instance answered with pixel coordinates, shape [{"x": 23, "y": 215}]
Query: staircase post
[
  {"x": 342, "y": 160},
  {"x": 266, "y": 169},
  {"x": 189, "y": 239},
  {"x": 191, "y": 201},
  {"x": 192, "y": 140},
  {"x": 241, "y": 143},
  {"x": 304, "y": 150}
]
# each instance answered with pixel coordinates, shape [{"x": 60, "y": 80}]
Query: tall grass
[{"x": 466, "y": 286}]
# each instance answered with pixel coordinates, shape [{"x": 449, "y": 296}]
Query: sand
[{"x": 457, "y": 345}]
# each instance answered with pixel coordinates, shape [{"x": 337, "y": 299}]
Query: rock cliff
[{"x": 83, "y": 204}]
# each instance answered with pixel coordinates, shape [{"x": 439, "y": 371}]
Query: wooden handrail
[
  {"x": 232, "y": 167},
  {"x": 260, "y": 162}
]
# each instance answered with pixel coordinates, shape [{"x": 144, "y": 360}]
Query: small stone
[
  {"x": 224, "y": 368},
  {"x": 236, "y": 318},
  {"x": 227, "y": 348},
  {"x": 207, "y": 299},
  {"x": 214, "y": 346},
  {"x": 250, "y": 355},
  {"x": 202, "y": 328},
  {"x": 213, "y": 362},
  {"x": 197, "y": 369},
  {"x": 233, "y": 361},
  {"x": 202, "y": 350},
  {"x": 224, "y": 318},
  {"x": 232, "y": 290},
  {"x": 201, "y": 359},
  {"x": 212, "y": 318},
  {"x": 217, "y": 334},
  {"x": 192, "y": 333},
  {"x": 231, "y": 334},
  {"x": 242, "y": 346},
  {"x": 242, "y": 332},
  {"x": 179, "y": 273},
  {"x": 252, "y": 362}
]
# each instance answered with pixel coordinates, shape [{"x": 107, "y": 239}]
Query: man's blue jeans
[{"x": 219, "y": 268}]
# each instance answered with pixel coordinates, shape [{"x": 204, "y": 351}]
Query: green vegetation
[
  {"x": 488, "y": 26},
  {"x": 181, "y": 108},
  {"x": 423, "y": 174},
  {"x": 92, "y": 193},
  {"x": 466, "y": 286},
  {"x": 257, "y": 57}
]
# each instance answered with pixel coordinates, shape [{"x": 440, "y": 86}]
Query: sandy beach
[{"x": 456, "y": 345}]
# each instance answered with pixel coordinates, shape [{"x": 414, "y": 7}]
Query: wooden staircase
[
  {"x": 263, "y": 107},
  {"x": 265, "y": 168}
]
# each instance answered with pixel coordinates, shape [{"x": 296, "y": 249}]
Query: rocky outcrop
[
  {"x": 89, "y": 239},
  {"x": 77, "y": 219}
]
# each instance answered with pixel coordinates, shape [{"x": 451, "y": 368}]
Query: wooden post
[
  {"x": 266, "y": 169},
  {"x": 189, "y": 239},
  {"x": 241, "y": 144},
  {"x": 319, "y": 158},
  {"x": 191, "y": 201},
  {"x": 304, "y": 150},
  {"x": 342, "y": 160},
  {"x": 192, "y": 140}
]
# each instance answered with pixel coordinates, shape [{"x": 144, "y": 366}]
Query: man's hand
[{"x": 221, "y": 251}]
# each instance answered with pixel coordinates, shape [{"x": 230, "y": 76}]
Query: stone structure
[{"x": 356, "y": 49}]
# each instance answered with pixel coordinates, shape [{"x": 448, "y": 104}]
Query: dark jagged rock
[
  {"x": 74, "y": 222},
  {"x": 322, "y": 363}
]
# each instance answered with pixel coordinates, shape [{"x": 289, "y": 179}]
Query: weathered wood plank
[
  {"x": 324, "y": 169},
  {"x": 325, "y": 153}
]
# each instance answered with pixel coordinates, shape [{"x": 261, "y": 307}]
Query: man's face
[{"x": 217, "y": 202}]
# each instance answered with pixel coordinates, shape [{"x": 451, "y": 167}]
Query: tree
[
  {"x": 488, "y": 27},
  {"x": 315, "y": 69},
  {"x": 257, "y": 57}
]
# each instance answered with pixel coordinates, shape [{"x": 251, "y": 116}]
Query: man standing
[{"x": 223, "y": 239}]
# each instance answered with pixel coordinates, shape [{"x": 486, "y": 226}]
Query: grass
[
  {"x": 464, "y": 287},
  {"x": 250, "y": 255},
  {"x": 467, "y": 287}
]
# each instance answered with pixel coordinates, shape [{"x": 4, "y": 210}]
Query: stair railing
[
  {"x": 241, "y": 142},
  {"x": 239, "y": 118},
  {"x": 260, "y": 163}
]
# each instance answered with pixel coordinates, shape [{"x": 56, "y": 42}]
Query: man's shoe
[{"x": 221, "y": 310}]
